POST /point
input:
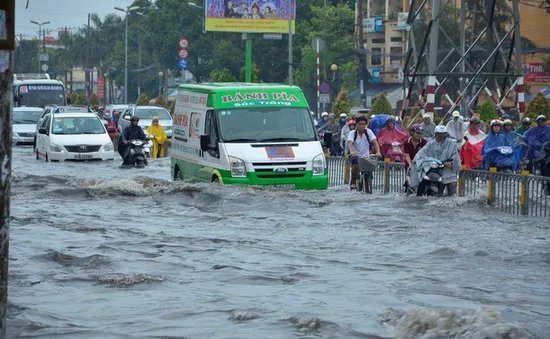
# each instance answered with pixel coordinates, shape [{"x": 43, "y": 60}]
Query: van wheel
[
  {"x": 215, "y": 179},
  {"x": 177, "y": 173}
]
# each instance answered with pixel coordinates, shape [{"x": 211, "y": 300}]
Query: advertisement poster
[
  {"x": 373, "y": 25},
  {"x": 535, "y": 74},
  {"x": 250, "y": 16},
  {"x": 402, "y": 21},
  {"x": 188, "y": 123}
]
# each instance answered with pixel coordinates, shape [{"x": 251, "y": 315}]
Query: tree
[
  {"x": 159, "y": 101},
  {"x": 342, "y": 103},
  {"x": 223, "y": 75},
  {"x": 254, "y": 76},
  {"x": 539, "y": 106},
  {"x": 381, "y": 105},
  {"x": 172, "y": 108},
  {"x": 143, "y": 100},
  {"x": 93, "y": 100},
  {"x": 546, "y": 62},
  {"x": 74, "y": 98},
  {"x": 349, "y": 75},
  {"x": 487, "y": 111}
]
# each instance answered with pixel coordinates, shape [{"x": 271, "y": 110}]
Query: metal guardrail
[{"x": 520, "y": 194}]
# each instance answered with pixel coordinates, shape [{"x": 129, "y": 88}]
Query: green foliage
[
  {"x": 172, "y": 108},
  {"x": 223, "y": 75},
  {"x": 81, "y": 99},
  {"x": 143, "y": 100},
  {"x": 538, "y": 106},
  {"x": 159, "y": 101},
  {"x": 74, "y": 98},
  {"x": 349, "y": 75},
  {"x": 94, "y": 101},
  {"x": 342, "y": 103},
  {"x": 487, "y": 111},
  {"x": 254, "y": 76},
  {"x": 381, "y": 105},
  {"x": 546, "y": 62}
]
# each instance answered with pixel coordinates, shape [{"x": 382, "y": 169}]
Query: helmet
[
  {"x": 426, "y": 116},
  {"x": 325, "y": 114},
  {"x": 331, "y": 115},
  {"x": 456, "y": 114},
  {"x": 541, "y": 118},
  {"x": 505, "y": 116},
  {"x": 526, "y": 121},
  {"x": 352, "y": 122},
  {"x": 496, "y": 122},
  {"x": 508, "y": 122},
  {"x": 440, "y": 129},
  {"x": 417, "y": 128},
  {"x": 474, "y": 119},
  {"x": 134, "y": 118},
  {"x": 373, "y": 116},
  {"x": 390, "y": 120},
  {"x": 343, "y": 115}
]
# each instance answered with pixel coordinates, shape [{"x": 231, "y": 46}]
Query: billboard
[
  {"x": 373, "y": 25},
  {"x": 535, "y": 74},
  {"x": 249, "y": 16},
  {"x": 402, "y": 21}
]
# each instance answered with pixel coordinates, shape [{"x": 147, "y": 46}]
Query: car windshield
[
  {"x": 266, "y": 124},
  {"x": 149, "y": 113},
  {"x": 26, "y": 117},
  {"x": 38, "y": 95},
  {"x": 77, "y": 125}
]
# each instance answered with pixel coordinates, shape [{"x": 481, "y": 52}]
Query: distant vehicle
[
  {"x": 24, "y": 121},
  {"x": 146, "y": 114},
  {"x": 38, "y": 90},
  {"x": 73, "y": 136},
  {"x": 121, "y": 108}
]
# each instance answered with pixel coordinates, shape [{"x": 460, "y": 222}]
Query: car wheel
[
  {"x": 47, "y": 159},
  {"x": 37, "y": 156}
]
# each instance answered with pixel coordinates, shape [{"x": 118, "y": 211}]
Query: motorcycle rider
[
  {"x": 388, "y": 136},
  {"x": 456, "y": 127},
  {"x": 428, "y": 127},
  {"x": 525, "y": 125},
  {"x": 445, "y": 150},
  {"x": 414, "y": 144},
  {"x": 474, "y": 138},
  {"x": 132, "y": 132},
  {"x": 536, "y": 137}
]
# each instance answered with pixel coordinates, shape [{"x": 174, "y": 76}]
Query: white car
[
  {"x": 73, "y": 136},
  {"x": 146, "y": 114},
  {"x": 24, "y": 120}
]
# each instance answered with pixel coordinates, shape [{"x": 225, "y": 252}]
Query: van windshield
[{"x": 265, "y": 124}]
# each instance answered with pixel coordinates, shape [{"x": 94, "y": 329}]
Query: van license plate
[
  {"x": 283, "y": 187},
  {"x": 83, "y": 157}
]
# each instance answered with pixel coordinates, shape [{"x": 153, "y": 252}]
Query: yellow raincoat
[{"x": 160, "y": 139}]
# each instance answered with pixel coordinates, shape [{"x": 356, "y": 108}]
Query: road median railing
[{"x": 520, "y": 194}]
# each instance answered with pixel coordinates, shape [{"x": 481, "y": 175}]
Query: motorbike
[
  {"x": 501, "y": 157},
  {"x": 135, "y": 151},
  {"x": 394, "y": 151},
  {"x": 434, "y": 178},
  {"x": 148, "y": 146}
]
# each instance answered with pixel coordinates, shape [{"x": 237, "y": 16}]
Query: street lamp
[
  {"x": 192, "y": 4},
  {"x": 161, "y": 74},
  {"x": 39, "y": 31},
  {"x": 333, "y": 68},
  {"x": 127, "y": 10}
]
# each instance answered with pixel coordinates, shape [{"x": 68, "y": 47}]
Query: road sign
[
  {"x": 314, "y": 44},
  {"x": 183, "y": 53},
  {"x": 324, "y": 98},
  {"x": 273, "y": 36},
  {"x": 45, "y": 67},
  {"x": 183, "y": 63},
  {"x": 44, "y": 57},
  {"x": 324, "y": 88},
  {"x": 184, "y": 43}
]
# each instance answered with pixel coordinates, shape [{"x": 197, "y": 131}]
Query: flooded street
[{"x": 99, "y": 252}]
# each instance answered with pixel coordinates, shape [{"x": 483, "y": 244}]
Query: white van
[{"x": 73, "y": 136}]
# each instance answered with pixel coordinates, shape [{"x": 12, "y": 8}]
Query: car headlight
[
  {"x": 56, "y": 148},
  {"x": 108, "y": 147},
  {"x": 318, "y": 167},
  {"x": 14, "y": 135},
  {"x": 238, "y": 168}
]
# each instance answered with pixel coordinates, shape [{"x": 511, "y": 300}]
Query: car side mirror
[
  {"x": 111, "y": 129},
  {"x": 42, "y": 130},
  {"x": 205, "y": 142}
]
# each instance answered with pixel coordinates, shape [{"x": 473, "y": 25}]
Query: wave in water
[{"x": 484, "y": 323}]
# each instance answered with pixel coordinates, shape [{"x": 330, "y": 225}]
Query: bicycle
[{"x": 367, "y": 166}]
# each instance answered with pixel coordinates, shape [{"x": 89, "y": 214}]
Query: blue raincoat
[
  {"x": 492, "y": 154},
  {"x": 536, "y": 137},
  {"x": 379, "y": 122}
]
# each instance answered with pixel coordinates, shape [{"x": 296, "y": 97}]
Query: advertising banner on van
[
  {"x": 249, "y": 16},
  {"x": 269, "y": 97},
  {"x": 188, "y": 123}
]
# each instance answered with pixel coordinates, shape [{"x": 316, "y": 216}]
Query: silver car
[
  {"x": 24, "y": 120},
  {"x": 146, "y": 114}
]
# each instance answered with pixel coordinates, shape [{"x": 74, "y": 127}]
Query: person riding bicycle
[{"x": 359, "y": 142}]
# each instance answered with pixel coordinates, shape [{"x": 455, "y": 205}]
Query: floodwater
[{"x": 99, "y": 252}]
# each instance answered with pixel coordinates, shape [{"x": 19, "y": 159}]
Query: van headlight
[
  {"x": 56, "y": 148},
  {"x": 108, "y": 147},
  {"x": 318, "y": 167},
  {"x": 238, "y": 168}
]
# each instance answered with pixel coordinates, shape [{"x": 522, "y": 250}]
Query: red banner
[
  {"x": 535, "y": 74},
  {"x": 100, "y": 87}
]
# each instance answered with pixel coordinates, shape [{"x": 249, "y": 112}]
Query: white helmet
[
  {"x": 343, "y": 115},
  {"x": 440, "y": 129},
  {"x": 325, "y": 114}
]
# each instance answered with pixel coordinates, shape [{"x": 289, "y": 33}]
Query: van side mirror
[
  {"x": 205, "y": 142},
  {"x": 42, "y": 130}
]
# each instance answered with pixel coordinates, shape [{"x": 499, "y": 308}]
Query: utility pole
[
  {"x": 86, "y": 73},
  {"x": 7, "y": 44},
  {"x": 290, "y": 12},
  {"x": 362, "y": 65}
]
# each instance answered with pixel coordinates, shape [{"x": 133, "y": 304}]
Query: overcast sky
[{"x": 60, "y": 13}]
